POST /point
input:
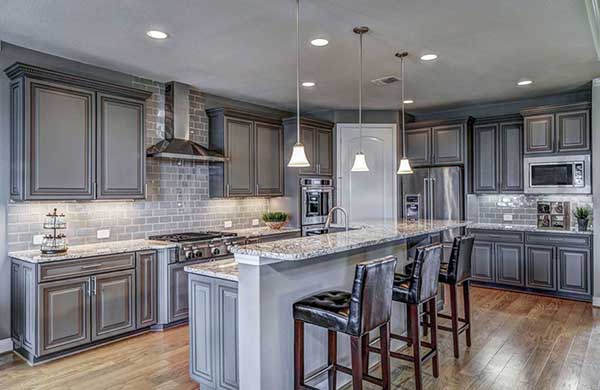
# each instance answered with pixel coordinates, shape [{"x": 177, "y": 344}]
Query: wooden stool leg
[
  {"x": 332, "y": 358},
  {"x": 365, "y": 354},
  {"x": 408, "y": 324},
  {"x": 357, "y": 371},
  {"x": 433, "y": 321},
  {"x": 416, "y": 343},
  {"x": 298, "y": 354},
  {"x": 425, "y": 320},
  {"x": 384, "y": 335},
  {"x": 467, "y": 300},
  {"x": 454, "y": 315}
]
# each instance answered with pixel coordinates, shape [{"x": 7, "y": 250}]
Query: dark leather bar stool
[
  {"x": 419, "y": 288},
  {"x": 366, "y": 308}
]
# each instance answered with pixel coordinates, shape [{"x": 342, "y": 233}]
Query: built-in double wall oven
[{"x": 316, "y": 201}]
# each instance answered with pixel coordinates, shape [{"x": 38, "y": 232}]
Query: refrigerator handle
[
  {"x": 431, "y": 197},
  {"x": 426, "y": 198}
]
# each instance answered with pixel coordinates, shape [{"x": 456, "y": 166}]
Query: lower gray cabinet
[
  {"x": 227, "y": 347},
  {"x": 113, "y": 303},
  {"x": 541, "y": 267},
  {"x": 574, "y": 270},
  {"x": 482, "y": 266},
  {"x": 178, "y": 296},
  {"x": 509, "y": 264},
  {"x": 65, "y": 314},
  {"x": 146, "y": 289}
]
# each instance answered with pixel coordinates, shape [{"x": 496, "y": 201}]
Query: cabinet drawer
[
  {"x": 496, "y": 235},
  {"x": 572, "y": 240},
  {"x": 87, "y": 266}
]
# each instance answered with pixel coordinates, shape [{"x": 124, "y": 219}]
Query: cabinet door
[
  {"x": 146, "y": 282},
  {"x": 239, "y": 180},
  {"x": 269, "y": 159},
  {"x": 482, "y": 261},
  {"x": 325, "y": 152},
  {"x": 64, "y": 314},
  {"x": 485, "y": 158},
  {"x": 308, "y": 139},
  {"x": 511, "y": 157},
  {"x": 227, "y": 320},
  {"x": 60, "y": 146},
  {"x": 113, "y": 303},
  {"x": 573, "y": 131},
  {"x": 540, "y": 267},
  {"x": 178, "y": 294},
  {"x": 574, "y": 270},
  {"x": 539, "y": 134},
  {"x": 120, "y": 151},
  {"x": 203, "y": 340},
  {"x": 418, "y": 146},
  {"x": 447, "y": 145},
  {"x": 509, "y": 264},
  {"x": 16, "y": 302}
]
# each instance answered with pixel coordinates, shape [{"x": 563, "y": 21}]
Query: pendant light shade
[
  {"x": 298, "y": 159},
  {"x": 360, "y": 162},
  {"x": 404, "y": 168}
]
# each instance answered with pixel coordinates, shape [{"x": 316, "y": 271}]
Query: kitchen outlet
[
  {"x": 37, "y": 239},
  {"x": 104, "y": 233},
  {"x": 507, "y": 217},
  {"x": 228, "y": 224},
  {"x": 255, "y": 222}
]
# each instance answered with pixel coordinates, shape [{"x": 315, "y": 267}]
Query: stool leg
[
  {"x": 408, "y": 324},
  {"x": 467, "y": 300},
  {"x": 425, "y": 320},
  {"x": 298, "y": 355},
  {"x": 365, "y": 354},
  {"x": 433, "y": 321},
  {"x": 357, "y": 371},
  {"x": 416, "y": 343},
  {"x": 384, "y": 335},
  {"x": 332, "y": 359},
  {"x": 454, "y": 315}
]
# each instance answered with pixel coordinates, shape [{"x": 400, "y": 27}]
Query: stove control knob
[
  {"x": 189, "y": 254},
  {"x": 215, "y": 251},
  {"x": 197, "y": 252}
]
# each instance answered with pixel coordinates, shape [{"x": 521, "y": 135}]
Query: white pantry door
[{"x": 370, "y": 197}]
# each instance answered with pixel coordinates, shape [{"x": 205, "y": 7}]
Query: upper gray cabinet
[
  {"x": 557, "y": 129},
  {"x": 253, "y": 146},
  {"x": 317, "y": 138},
  {"x": 74, "y": 138},
  {"x": 511, "y": 156},
  {"x": 437, "y": 143},
  {"x": 485, "y": 149}
]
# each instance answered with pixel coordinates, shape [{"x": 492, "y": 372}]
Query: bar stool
[
  {"x": 419, "y": 288},
  {"x": 366, "y": 308}
]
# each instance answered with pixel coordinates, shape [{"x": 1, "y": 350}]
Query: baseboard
[
  {"x": 596, "y": 301},
  {"x": 6, "y": 345}
]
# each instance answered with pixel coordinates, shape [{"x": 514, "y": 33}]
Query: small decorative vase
[
  {"x": 582, "y": 224},
  {"x": 276, "y": 225}
]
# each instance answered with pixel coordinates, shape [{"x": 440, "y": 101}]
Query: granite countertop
[
  {"x": 524, "y": 228},
  {"x": 327, "y": 244},
  {"x": 91, "y": 250},
  {"x": 261, "y": 231},
  {"x": 223, "y": 269}
]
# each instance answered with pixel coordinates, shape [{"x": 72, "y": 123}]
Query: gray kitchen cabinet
[
  {"x": 418, "y": 146},
  {"x": 317, "y": 137},
  {"x": 23, "y": 315},
  {"x": 539, "y": 134},
  {"x": 511, "y": 156},
  {"x": 482, "y": 265},
  {"x": 324, "y": 140},
  {"x": 120, "y": 148},
  {"x": 64, "y": 314},
  {"x": 541, "y": 267},
  {"x": 509, "y": 264},
  {"x": 308, "y": 139},
  {"x": 178, "y": 296},
  {"x": 54, "y": 135},
  {"x": 113, "y": 304},
  {"x": 269, "y": 159},
  {"x": 574, "y": 270},
  {"x": 202, "y": 341},
  {"x": 227, "y": 346},
  {"x": 573, "y": 130},
  {"x": 485, "y": 149},
  {"x": 240, "y": 170},
  {"x": 146, "y": 283},
  {"x": 448, "y": 144}
]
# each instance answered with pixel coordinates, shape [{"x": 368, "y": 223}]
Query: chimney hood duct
[{"x": 177, "y": 143}]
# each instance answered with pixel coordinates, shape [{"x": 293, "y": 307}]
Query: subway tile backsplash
[{"x": 177, "y": 195}]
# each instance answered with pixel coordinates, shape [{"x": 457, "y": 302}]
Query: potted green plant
[
  {"x": 275, "y": 219},
  {"x": 583, "y": 217}
]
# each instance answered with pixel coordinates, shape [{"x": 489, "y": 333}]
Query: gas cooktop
[{"x": 195, "y": 236}]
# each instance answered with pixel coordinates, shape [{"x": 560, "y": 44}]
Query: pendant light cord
[
  {"x": 360, "y": 87},
  {"x": 298, "y": 71},
  {"x": 403, "y": 129}
]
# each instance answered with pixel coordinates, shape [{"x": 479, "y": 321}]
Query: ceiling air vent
[{"x": 386, "y": 80}]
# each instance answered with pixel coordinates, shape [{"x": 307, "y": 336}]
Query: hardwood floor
[{"x": 519, "y": 342}]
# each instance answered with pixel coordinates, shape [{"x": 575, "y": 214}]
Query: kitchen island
[{"x": 241, "y": 323}]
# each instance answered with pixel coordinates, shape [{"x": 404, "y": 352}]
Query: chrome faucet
[{"x": 330, "y": 217}]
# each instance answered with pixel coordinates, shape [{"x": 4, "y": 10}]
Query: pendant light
[
  {"x": 298, "y": 159},
  {"x": 360, "y": 163},
  {"x": 404, "y": 168}
]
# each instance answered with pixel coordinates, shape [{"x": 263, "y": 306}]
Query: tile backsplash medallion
[
  {"x": 177, "y": 195},
  {"x": 523, "y": 208}
]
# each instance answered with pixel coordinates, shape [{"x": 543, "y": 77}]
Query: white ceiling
[{"x": 245, "y": 49}]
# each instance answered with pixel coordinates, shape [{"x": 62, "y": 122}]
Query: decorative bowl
[{"x": 276, "y": 225}]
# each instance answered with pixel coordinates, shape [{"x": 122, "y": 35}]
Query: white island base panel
[{"x": 266, "y": 327}]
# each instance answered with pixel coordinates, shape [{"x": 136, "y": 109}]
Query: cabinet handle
[
  {"x": 88, "y": 288},
  {"x": 256, "y": 188},
  {"x": 227, "y": 190},
  {"x": 91, "y": 266},
  {"x": 95, "y": 190},
  {"x": 93, "y": 285}
]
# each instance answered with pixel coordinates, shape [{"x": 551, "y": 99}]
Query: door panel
[
  {"x": 482, "y": 266},
  {"x": 415, "y": 185},
  {"x": 269, "y": 159},
  {"x": 509, "y": 264},
  {"x": 539, "y": 134},
  {"x": 178, "y": 294},
  {"x": 447, "y": 193},
  {"x": 484, "y": 164},
  {"x": 511, "y": 157},
  {"x": 307, "y": 137},
  {"x": 573, "y": 131},
  {"x": 227, "y": 311},
  {"x": 240, "y": 179},
  {"x": 202, "y": 338},
  {"x": 325, "y": 147},
  {"x": 541, "y": 267},
  {"x": 113, "y": 304},
  {"x": 447, "y": 145},
  {"x": 574, "y": 270},
  {"x": 418, "y": 147},
  {"x": 146, "y": 282}
]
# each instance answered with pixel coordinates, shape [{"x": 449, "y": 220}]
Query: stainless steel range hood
[{"x": 177, "y": 143}]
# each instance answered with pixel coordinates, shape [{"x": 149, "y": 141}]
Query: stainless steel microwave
[{"x": 558, "y": 175}]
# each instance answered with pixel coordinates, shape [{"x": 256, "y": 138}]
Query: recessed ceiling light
[
  {"x": 524, "y": 82},
  {"x": 320, "y": 42},
  {"x": 409, "y": 101},
  {"x": 308, "y": 84},
  {"x": 155, "y": 34},
  {"x": 429, "y": 57}
]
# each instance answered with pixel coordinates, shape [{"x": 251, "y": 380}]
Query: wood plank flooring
[{"x": 519, "y": 342}]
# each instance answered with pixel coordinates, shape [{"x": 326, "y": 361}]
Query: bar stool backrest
[
  {"x": 425, "y": 272},
  {"x": 371, "y": 301},
  {"x": 459, "y": 265}
]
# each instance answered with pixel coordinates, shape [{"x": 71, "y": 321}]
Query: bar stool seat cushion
[{"x": 329, "y": 309}]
